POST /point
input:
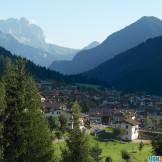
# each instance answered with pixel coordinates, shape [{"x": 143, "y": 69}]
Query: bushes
[
  {"x": 96, "y": 153},
  {"x": 157, "y": 145},
  {"x": 125, "y": 155},
  {"x": 58, "y": 134},
  {"x": 118, "y": 133},
  {"x": 141, "y": 145},
  {"x": 53, "y": 123},
  {"x": 108, "y": 159}
]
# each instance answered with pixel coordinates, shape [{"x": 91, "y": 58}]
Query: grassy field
[{"x": 113, "y": 148}]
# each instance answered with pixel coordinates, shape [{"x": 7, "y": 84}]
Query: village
[{"x": 137, "y": 114}]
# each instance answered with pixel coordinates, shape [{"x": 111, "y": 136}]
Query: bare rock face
[{"x": 29, "y": 42}]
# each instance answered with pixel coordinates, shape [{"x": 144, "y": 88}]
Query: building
[
  {"x": 96, "y": 119},
  {"x": 43, "y": 99},
  {"x": 131, "y": 129},
  {"x": 55, "y": 109}
]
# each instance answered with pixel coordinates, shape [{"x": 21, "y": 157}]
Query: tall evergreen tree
[
  {"x": 76, "y": 110},
  {"x": 96, "y": 153},
  {"x": 77, "y": 143},
  {"x": 63, "y": 122},
  {"x": 25, "y": 131},
  {"x": 2, "y": 107}
]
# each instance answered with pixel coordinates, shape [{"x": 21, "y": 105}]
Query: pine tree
[
  {"x": 77, "y": 143},
  {"x": 2, "y": 107},
  {"x": 39, "y": 141},
  {"x": 63, "y": 122},
  {"x": 96, "y": 153},
  {"x": 76, "y": 109},
  {"x": 26, "y": 136}
]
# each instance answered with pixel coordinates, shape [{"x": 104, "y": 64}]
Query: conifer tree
[
  {"x": 96, "y": 153},
  {"x": 77, "y": 143},
  {"x": 63, "y": 122},
  {"x": 26, "y": 136},
  {"x": 2, "y": 107}
]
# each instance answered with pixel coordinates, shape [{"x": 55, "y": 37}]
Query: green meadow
[{"x": 113, "y": 148}]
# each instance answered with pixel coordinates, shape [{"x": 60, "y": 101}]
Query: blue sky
[{"x": 75, "y": 23}]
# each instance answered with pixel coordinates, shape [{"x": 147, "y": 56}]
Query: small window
[{"x": 126, "y": 126}]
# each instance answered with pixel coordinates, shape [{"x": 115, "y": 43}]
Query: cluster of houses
[
  {"x": 113, "y": 108},
  {"x": 106, "y": 117}
]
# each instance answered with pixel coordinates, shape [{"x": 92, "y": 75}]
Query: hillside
[
  {"x": 120, "y": 41},
  {"x": 139, "y": 68},
  {"x": 40, "y": 73},
  {"x": 35, "y": 70}
]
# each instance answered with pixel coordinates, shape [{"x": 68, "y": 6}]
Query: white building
[
  {"x": 43, "y": 99},
  {"x": 131, "y": 128}
]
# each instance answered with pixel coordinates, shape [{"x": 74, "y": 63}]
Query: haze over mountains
[
  {"x": 25, "y": 39},
  {"x": 129, "y": 59},
  {"x": 64, "y": 62},
  {"x": 120, "y": 41}
]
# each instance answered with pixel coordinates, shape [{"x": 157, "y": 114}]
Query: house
[
  {"x": 45, "y": 85},
  {"x": 109, "y": 116},
  {"x": 58, "y": 112},
  {"x": 123, "y": 114},
  {"x": 131, "y": 129},
  {"x": 101, "y": 115},
  {"x": 56, "y": 109},
  {"x": 43, "y": 99},
  {"x": 96, "y": 119},
  {"x": 50, "y": 106}
]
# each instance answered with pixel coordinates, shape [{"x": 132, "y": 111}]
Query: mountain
[
  {"x": 120, "y": 41},
  {"x": 62, "y": 64},
  {"x": 91, "y": 45},
  {"x": 35, "y": 70},
  {"x": 38, "y": 56},
  {"x": 32, "y": 36},
  {"x": 139, "y": 68},
  {"x": 64, "y": 56},
  {"x": 23, "y": 31},
  {"x": 61, "y": 53}
]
